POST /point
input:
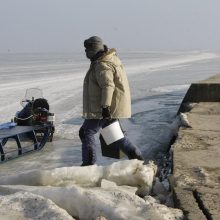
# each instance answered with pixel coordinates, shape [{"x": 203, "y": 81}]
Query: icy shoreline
[
  {"x": 150, "y": 128},
  {"x": 118, "y": 191}
]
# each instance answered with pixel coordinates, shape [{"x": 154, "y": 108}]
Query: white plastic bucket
[{"x": 112, "y": 133}]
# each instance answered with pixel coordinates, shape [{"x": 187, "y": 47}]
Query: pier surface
[{"x": 196, "y": 153}]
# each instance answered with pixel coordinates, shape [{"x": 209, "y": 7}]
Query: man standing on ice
[{"x": 106, "y": 95}]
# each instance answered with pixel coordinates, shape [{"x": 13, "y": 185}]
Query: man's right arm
[{"x": 105, "y": 79}]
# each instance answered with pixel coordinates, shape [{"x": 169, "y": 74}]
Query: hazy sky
[{"x": 62, "y": 25}]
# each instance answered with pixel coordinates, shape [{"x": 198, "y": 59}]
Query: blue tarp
[{"x": 7, "y": 125}]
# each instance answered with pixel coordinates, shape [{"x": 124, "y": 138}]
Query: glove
[{"x": 106, "y": 113}]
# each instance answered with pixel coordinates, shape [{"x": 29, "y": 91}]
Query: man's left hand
[{"x": 106, "y": 113}]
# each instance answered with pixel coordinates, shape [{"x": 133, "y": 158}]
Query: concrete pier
[{"x": 196, "y": 153}]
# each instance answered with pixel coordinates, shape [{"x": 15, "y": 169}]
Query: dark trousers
[{"x": 87, "y": 135}]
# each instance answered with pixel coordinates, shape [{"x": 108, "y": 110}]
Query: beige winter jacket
[{"x": 106, "y": 84}]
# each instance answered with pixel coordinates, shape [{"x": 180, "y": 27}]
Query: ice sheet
[{"x": 158, "y": 82}]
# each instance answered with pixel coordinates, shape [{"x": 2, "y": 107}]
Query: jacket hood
[{"x": 110, "y": 56}]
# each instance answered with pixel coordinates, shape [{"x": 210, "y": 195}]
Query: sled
[{"x": 24, "y": 133}]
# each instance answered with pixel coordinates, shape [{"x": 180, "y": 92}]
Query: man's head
[{"x": 93, "y": 45}]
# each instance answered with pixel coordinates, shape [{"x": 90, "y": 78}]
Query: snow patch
[{"x": 26, "y": 205}]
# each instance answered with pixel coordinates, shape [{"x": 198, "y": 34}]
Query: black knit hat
[{"x": 94, "y": 43}]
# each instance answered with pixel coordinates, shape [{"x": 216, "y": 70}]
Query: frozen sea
[{"x": 158, "y": 82}]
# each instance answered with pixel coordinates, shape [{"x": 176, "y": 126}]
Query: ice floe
[{"x": 91, "y": 192}]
